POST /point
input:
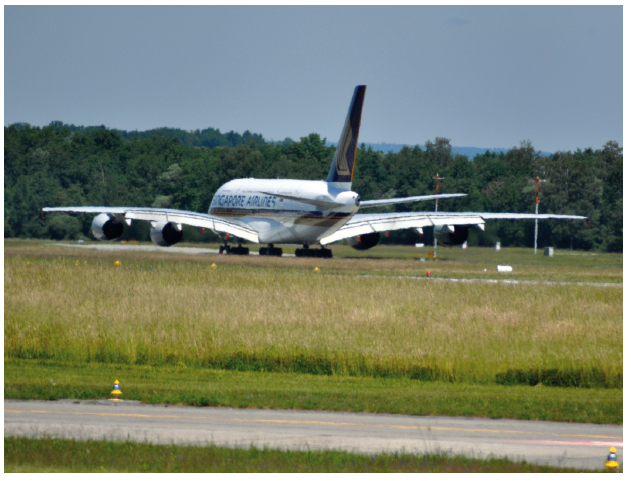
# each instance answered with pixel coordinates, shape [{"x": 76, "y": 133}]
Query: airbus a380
[{"x": 302, "y": 212}]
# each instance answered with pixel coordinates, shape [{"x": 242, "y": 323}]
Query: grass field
[
  {"x": 23, "y": 455},
  {"x": 38, "y": 379},
  {"x": 355, "y": 317}
]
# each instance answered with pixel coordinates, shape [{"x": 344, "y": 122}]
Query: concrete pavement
[{"x": 551, "y": 443}]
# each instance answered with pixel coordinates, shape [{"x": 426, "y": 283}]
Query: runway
[{"x": 557, "y": 444}]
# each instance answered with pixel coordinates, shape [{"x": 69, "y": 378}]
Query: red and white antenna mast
[
  {"x": 437, "y": 178},
  {"x": 537, "y": 180}
]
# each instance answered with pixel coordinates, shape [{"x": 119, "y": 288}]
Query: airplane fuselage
[{"x": 270, "y": 208}]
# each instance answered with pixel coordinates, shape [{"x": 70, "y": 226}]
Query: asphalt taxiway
[{"x": 582, "y": 446}]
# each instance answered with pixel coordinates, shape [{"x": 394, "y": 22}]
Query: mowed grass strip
[
  {"x": 36, "y": 379},
  {"x": 22, "y": 455},
  {"x": 245, "y": 316}
]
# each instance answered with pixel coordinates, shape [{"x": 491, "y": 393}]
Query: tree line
[{"x": 65, "y": 165}]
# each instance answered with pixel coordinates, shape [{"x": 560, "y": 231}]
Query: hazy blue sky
[{"x": 480, "y": 76}]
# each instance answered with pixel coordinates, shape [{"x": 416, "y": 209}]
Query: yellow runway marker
[{"x": 324, "y": 423}]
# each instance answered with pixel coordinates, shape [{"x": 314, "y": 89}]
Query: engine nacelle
[
  {"x": 166, "y": 234},
  {"x": 451, "y": 235},
  {"x": 364, "y": 241},
  {"x": 105, "y": 227}
]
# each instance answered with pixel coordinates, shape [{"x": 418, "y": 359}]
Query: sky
[{"x": 487, "y": 77}]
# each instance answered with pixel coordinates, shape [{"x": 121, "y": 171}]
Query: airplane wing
[
  {"x": 368, "y": 223},
  {"x": 403, "y": 200},
  {"x": 194, "y": 219}
]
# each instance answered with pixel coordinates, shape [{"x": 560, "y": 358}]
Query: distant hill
[{"x": 470, "y": 152}]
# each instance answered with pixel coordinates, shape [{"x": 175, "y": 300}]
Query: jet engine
[
  {"x": 105, "y": 227},
  {"x": 166, "y": 234},
  {"x": 364, "y": 241},
  {"x": 451, "y": 235}
]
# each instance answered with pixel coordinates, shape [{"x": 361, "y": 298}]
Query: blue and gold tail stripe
[{"x": 343, "y": 165}]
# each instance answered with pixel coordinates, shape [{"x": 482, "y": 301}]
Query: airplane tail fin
[{"x": 344, "y": 160}]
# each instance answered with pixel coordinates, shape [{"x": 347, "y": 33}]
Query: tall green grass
[
  {"x": 61, "y": 455},
  {"x": 283, "y": 317}
]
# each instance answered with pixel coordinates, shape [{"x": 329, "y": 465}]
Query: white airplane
[{"x": 302, "y": 212}]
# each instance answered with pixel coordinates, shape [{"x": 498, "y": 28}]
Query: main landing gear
[
  {"x": 240, "y": 251},
  {"x": 235, "y": 251},
  {"x": 271, "y": 251},
  {"x": 320, "y": 253}
]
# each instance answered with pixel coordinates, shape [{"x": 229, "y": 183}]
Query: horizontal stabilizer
[
  {"x": 402, "y": 200},
  {"x": 502, "y": 215}
]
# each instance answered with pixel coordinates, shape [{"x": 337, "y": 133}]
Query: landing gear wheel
[
  {"x": 224, "y": 250},
  {"x": 271, "y": 251},
  {"x": 240, "y": 251},
  {"x": 319, "y": 253}
]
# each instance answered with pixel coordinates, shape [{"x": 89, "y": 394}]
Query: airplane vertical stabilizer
[{"x": 344, "y": 159}]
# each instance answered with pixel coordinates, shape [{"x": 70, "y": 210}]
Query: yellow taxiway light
[
  {"x": 116, "y": 391},
  {"x": 612, "y": 459}
]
